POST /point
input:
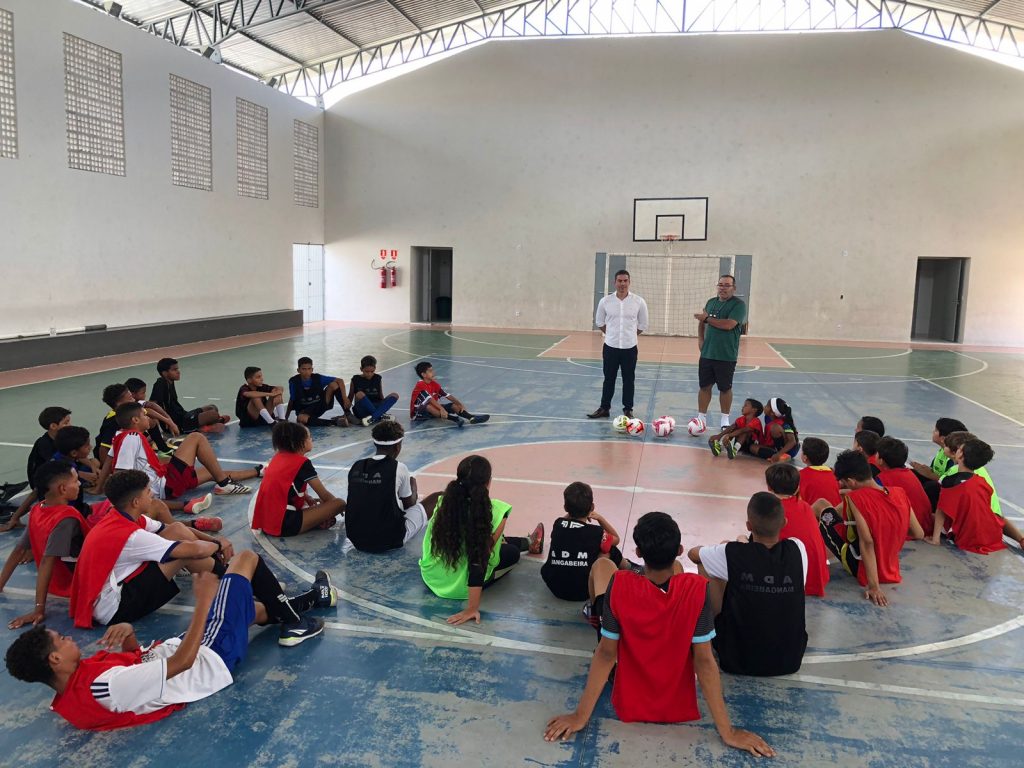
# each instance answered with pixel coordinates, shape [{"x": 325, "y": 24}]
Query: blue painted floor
[{"x": 391, "y": 685}]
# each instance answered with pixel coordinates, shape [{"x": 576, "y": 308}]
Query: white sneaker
[
  {"x": 231, "y": 489},
  {"x": 367, "y": 420}
]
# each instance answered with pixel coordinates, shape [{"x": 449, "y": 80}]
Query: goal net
[{"x": 675, "y": 286}]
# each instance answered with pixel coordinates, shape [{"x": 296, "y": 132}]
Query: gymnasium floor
[{"x": 933, "y": 680}]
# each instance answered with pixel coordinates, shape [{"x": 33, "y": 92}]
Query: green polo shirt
[{"x": 719, "y": 344}]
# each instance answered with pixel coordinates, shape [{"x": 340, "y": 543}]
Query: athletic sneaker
[
  {"x": 198, "y": 504},
  {"x": 480, "y": 418},
  {"x": 207, "y": 524},
  {"x": 174, "y": 442},
  {"x": 367, "y": 421},
  {"x": 537, "y": 540},
  {"x": 326, "y": 593},
  {"x": 730, "y": 449},
  {"x": 340, "y": 421},
  {"x": 9, "y": 490},
  {"x": 715, "y": 446},
  {"x": 231, "y": 489},
  {"x": 214, "y": 428},
  {"x": 299, "y": 632},
  {"x": 166, "y": 454}
]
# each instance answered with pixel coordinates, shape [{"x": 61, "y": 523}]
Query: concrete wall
[
  {"x": 81, "y": 248},
  {"x": 836, "y": 160}
]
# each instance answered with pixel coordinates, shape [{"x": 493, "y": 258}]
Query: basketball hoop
[{"x": 668, "y": 240}]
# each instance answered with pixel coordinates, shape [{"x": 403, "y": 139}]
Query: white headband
[
  {"x": 387, "y": 442},
  {"x": 774, "y": 405}
]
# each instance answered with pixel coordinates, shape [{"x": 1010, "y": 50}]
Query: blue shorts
[{"x": 227, "y": 626}]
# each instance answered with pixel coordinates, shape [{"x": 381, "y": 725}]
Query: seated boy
[
  {"x": 657, "y": 627},
  {"x": 179, "y": 475},
  {"x": 801, "y": 523},
  {"x": 757, "y": 593},
  {"x": 817, "y": 481},
  {"x": 129, "y": 685},
  {"x": 311, "y": 395},
  {"x": 865, "y": 441},
  {"x": 746, "y": 430},
  {"x": 966, "y": 502},
  {"x": 165, "y": 394},
  {"x": 578, "y": 539},
  {"x": 868, "y": 532},
  {"x": 156, "y": 414},
  {"x": 258, "y": 404},
  {"x": 51, "y": 419},
  {"x": 366, "y": 393},
  {"x": 893, "y": 473},
  {"x": 425, "y": 402},
  {"x": 872, "y": 423},
  {"x": 382, "y": 511},
  {"x": 127, "y": 564},
  {"x": 941, "y": 462},
  {"x": 74, "y": 446}
]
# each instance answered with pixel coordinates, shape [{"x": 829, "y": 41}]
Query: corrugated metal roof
[
  {"x": 305, "y": 41},
  {"x": 367, "y": 22},
  {"x": 433, "y": 13}
]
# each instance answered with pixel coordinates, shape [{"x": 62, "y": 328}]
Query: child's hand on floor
[
  {"x": 564, "y": 726},
  {"x": 463, "y": 616}
]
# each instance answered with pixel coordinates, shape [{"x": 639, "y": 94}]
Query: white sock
[
  {"x": 280, "y": 411},
  {"x": 725, "y": 420},
  {"x": 265, "y": 415},
  {"x": 703, "y": 417},
  {"x": 293, "y": 417}
]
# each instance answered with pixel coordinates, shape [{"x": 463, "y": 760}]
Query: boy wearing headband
[{"x": 382, "y": 511}]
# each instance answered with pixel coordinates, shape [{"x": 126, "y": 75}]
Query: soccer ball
[
  {"x": 635, "y": 427},
  {"x": 696, "y": 427},
  {"x": 663, "y": 426},
  {"x": 620, "y": 423}
]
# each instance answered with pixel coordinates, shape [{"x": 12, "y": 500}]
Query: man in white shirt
[{"x": 621, "y": 316}]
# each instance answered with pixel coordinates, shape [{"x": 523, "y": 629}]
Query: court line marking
[
  {"x": 885, "y": 688},
  {"x": 975, "y": 402},
  {"x": 984, "y": 367},
  {"x": 866, "y": 357},
  {"x": 17, "y": 445},
  {"x": 552, "y": 346},
  {"x": 782, "y": 357},
  {"x": 450, "y": 335}
]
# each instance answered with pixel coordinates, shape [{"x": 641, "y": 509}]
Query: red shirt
[
  {"x": 968, "y": 505},
  {"x": 755, "y": 426},
  {"x": 887, "y": 514},
  {"x": 423, "y": 391},
  {"x": 802, "y": 524},
  {"x": 819, "y": 483},
  {"x": 919, "y": 502}
]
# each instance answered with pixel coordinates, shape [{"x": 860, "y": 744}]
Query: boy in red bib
[
  {"x": 747, "y": 430},
  {"x": 658, "y": 628},
  {"x": 128, "y": 685},
  {"x": 816, "y": 480},
  {"x": 893, "y": 473},
  {"x": 425, "y": 402},
  {"x": 869, "y": 531},
  {"x": 966, "y": 502},
  {"x": 801, "y": 523}
]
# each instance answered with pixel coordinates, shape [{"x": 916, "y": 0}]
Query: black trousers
[{"x": 613, "y": 360}]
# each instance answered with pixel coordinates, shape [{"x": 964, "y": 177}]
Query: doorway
[
  {"x": 308, "y": 281},
  {"x": 432, "y": 285},
  {"x": 939, "y": 292}
]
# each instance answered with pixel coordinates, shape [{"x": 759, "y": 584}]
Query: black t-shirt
[
  {"x": 761, "y": 629},
  {"x": 105, "y": 437},
  {"x": 242, "y": 403},
  {"x": 42, "y": 451},
  {"x": 374, "y": 520},
  {"x": 305, "y": 473},
  {"x": 165, "y": 394},
  {"x": 371, "y": 387},
  {"x": 575, "y": 545}
]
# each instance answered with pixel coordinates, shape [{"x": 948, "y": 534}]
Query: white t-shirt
[
  {"x": 132, "y": 455},
  {"x": 403, "y": 483},
  {"x": 143, "y": 688},
  {"x": 142, "y": 546},
  {"x": 716, "y": 566}
]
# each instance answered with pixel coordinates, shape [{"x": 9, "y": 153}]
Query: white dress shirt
[{"x": 622, "y": 319}]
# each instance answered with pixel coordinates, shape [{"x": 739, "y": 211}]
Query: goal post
[{"x": 675, "y": 286}]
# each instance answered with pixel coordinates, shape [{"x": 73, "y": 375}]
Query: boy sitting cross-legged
[
  {"x": 746, "y": 430},
  {"x": 366, "y": 393},
  {"x": 311, "y": 395},
  {"x": 258, "y": 404},
  {"x": 757, "y": 593},
  {"x": 128, "y": 685},
  {"x": 658, "y": 628},
  {"x": 425, "y": 402}
]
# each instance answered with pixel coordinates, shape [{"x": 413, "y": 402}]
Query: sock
[
  {"x": 267, "y": 589},
  {"x": 466, "y": 414},
  {"x": 303, "y": 602},
  {"x": 703, "y": 417},
  {"x": 454, "y": 417},
  {"x": 265, "y": 415},
  {"x": 725, "y": 420},
  {"x": 224, "y": 483},
  {"x": 281, "y": 411},
  {"x": 293, "y": 417}
]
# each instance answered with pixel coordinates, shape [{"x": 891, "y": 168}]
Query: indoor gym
[{"x": 931, "y": 680}]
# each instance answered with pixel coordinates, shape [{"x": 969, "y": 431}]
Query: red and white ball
[
  {"x": 696, "y": 426},
  {"x": 663, "y": 426},
  {"x": 635, "y": 427}
]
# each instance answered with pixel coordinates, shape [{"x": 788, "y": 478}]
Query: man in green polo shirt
[{"x": 718, "y": 336}]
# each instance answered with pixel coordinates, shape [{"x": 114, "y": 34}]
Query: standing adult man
[
  {"x": 621, "y": 316},
  {"x": 718, "y": 337}
]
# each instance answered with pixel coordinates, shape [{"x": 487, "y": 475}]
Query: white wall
[
  {"x": 80, "y": 248},
  {"x": 525, "y": 157}
]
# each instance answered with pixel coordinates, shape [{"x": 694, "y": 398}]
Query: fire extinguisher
[
  {"x": 394, "y": 275},
  {"x": 383, "y": 269}
]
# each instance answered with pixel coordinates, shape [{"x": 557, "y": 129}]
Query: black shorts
[
  {"x": 143, "y": 594},
  {"x": 314, "y": 410},
  {"x": 248, "y": 422},
  {"x": 717, "y": 372},
  {"x": 847, "y": 552},
  {"x": 189, "y": 422},
  {"x": 291, "y": 523}
]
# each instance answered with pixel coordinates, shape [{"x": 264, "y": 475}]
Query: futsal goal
[{"x": 675, "y": 286}]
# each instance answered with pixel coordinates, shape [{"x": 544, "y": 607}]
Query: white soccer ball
[
  {"x": 620, "y": 423},
  {"x": 663, "y": 426},
  {"x": 635, "y": 427},
  {"x": 696, "y": 427}
]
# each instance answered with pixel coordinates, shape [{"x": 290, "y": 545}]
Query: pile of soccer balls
[{"x": 663, "y": 426}]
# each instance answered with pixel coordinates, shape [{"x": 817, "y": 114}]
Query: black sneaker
[
  {"x": 326, "y": 593},
  {"x": 299, "y": 632},
  {"x": 10, "y": 490},
  {"x": 479, "y": 418},
  {"x": 628, "y": 412}
]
